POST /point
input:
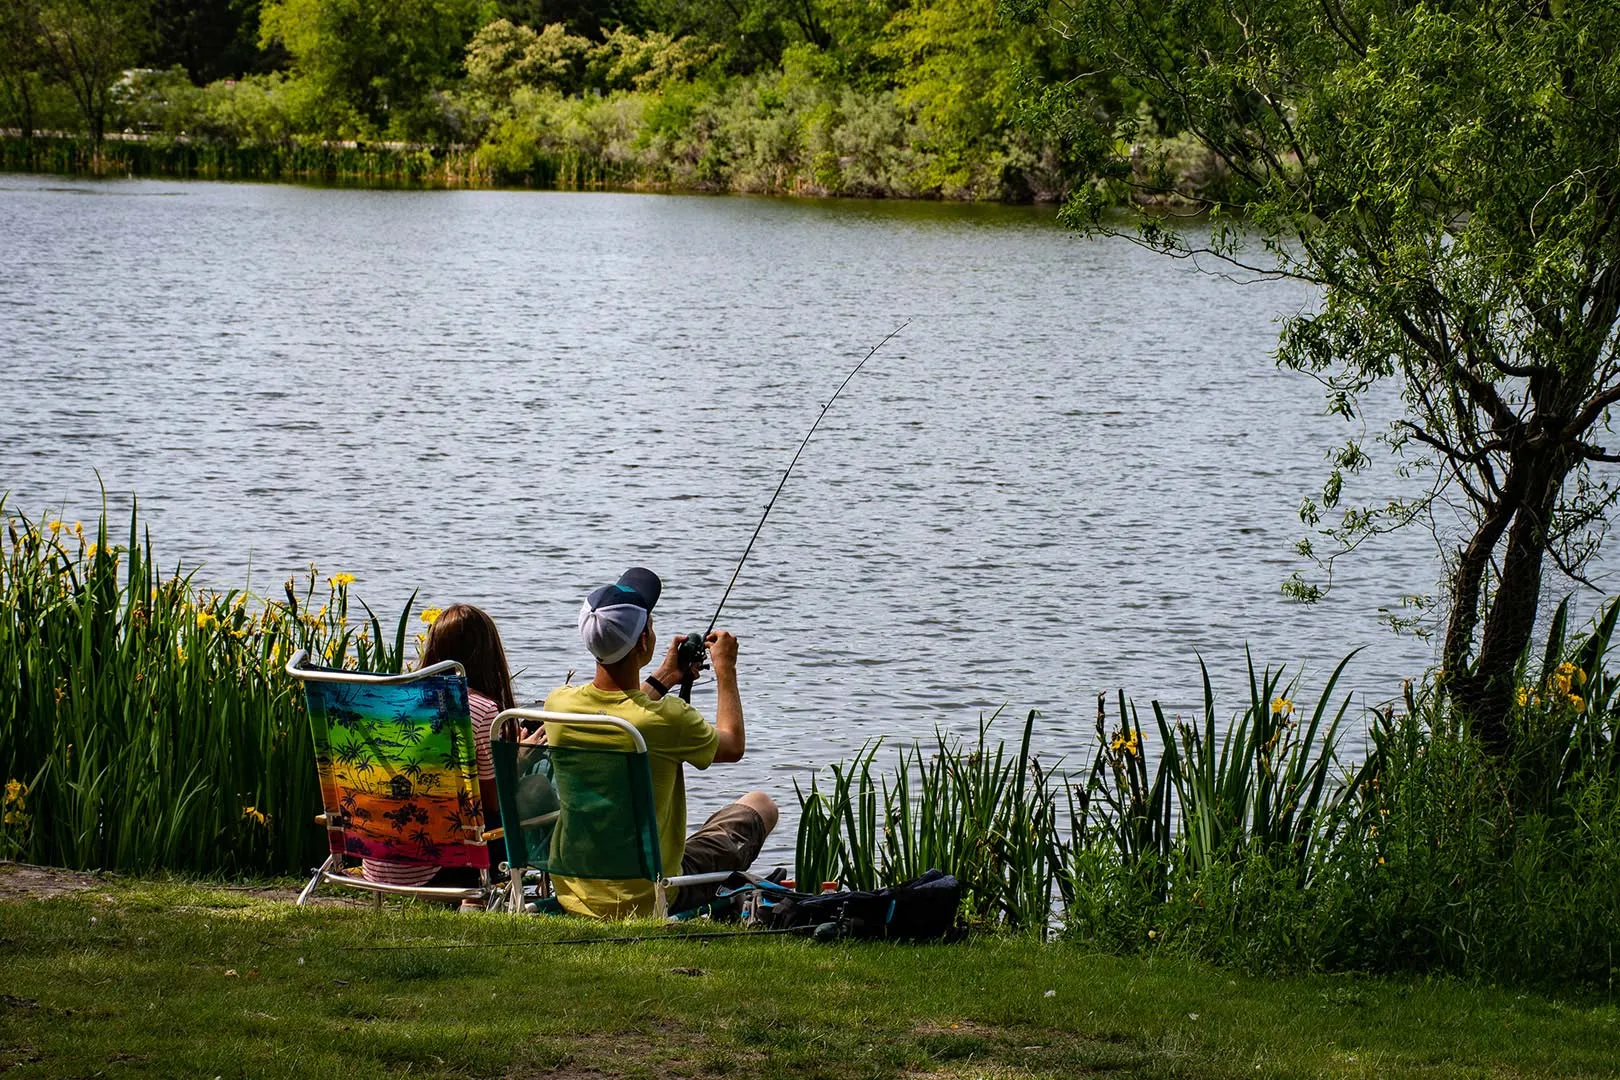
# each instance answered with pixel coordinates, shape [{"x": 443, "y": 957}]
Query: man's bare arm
[{"x": 728, "y": 712}]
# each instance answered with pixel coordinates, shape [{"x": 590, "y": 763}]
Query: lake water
[{"x": 1076, "y": 469}]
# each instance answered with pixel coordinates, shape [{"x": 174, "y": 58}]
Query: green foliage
[
  {"x": 957, "y": 64},
  {"x": 149, "y": 724},
  {"x": 372, "y": 63},
  {"x": 503, "y": 58},
  {"x": 82, "y": 46},
  {"x": 210, "y": 39},
  {"x": 1432, "y": 855}
]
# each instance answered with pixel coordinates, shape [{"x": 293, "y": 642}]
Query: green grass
[{"x": 142, "y": 978}]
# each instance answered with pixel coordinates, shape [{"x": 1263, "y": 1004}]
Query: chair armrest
[{"x": 494, "y": 834}]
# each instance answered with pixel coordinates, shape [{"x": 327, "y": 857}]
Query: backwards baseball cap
[{"x": 612, "y": 618}]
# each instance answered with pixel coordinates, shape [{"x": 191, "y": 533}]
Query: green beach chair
[
  {"x": 579, "y": 812},
  {"x": 398, "y": 775}
]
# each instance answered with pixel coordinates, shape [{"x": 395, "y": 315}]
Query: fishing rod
[{"x": 692, "y": 646}]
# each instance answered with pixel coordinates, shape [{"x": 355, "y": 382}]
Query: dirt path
[{"x": 24, "y": 881}]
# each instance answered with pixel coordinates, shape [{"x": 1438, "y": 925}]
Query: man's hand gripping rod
[{"x": 692, "y": 645}]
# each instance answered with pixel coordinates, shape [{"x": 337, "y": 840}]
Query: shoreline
[{"x": 378, "y": 165}]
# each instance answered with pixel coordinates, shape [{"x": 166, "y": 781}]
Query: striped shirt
[{"x": 402, "y": 872}]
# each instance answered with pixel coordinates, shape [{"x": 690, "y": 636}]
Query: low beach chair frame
[
  {"x": 331, "y": 870},
  {"x": 662, "y": 883}
]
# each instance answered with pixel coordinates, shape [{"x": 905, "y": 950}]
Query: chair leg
[
  {"x": 376, "y": 901},
  {"x": 320, "y": 872},
  {"x": 660, "y": 900}
]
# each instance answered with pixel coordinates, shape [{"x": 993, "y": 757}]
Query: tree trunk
[
  {"x": 26, "y": 96},
  {"x": 1483, "y": 692}
]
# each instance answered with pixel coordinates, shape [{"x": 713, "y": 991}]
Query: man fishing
[{"x": 616, "y": 623}]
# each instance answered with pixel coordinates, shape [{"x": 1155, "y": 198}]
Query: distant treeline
[{"x": 911, "y": 98}]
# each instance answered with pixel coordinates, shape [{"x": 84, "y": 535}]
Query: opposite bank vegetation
[
  {"x": 146, "y": 725},
  {"x": 935, "y": 99}
]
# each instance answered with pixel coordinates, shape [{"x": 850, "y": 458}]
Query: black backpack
[{"x": 923, "y": 909}]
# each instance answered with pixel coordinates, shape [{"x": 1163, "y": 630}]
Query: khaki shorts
[{"x": 729, "y": 840}]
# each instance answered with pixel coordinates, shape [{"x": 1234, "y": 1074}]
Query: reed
[
  {"x": 146, "y": 723},
  {"x": 307, "y": 160},
  {"x": 990, "y": 817}
]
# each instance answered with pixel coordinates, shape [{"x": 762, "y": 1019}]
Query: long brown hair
[{"x": 468, "y": 636}]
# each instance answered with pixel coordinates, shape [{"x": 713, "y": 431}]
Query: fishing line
[
  {"x": 789, "y": 471},
  {"x": 692, "y": 647},
  {"x": 710, "y": 936}
]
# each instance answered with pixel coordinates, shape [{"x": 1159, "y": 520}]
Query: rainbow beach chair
[{"x": 398, "y": 775}]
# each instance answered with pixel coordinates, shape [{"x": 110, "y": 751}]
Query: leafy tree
[
  {"x": 961, "y": 66},
  {"x": 590, "y": 18},
  {"x": 1449, "y": 176},
  {"x": 211, "y": 39},
  {"x": 756, "y": 33},
  {"x": 502, "y": 57},
  {"x": 87, "y": 44},
  {"x": 371, "y": 61},
  {"x": 21, "y": 58}
]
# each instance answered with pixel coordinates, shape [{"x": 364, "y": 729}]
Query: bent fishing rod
[{"x": 692, "y": 646}]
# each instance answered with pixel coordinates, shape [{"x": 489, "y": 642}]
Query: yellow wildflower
[
  {"x": 253, "y": 813},
  {"x": 206, "y": 620},
  {"x": 1282, "y": 706},
  {"x": 13, "y": 817},
  {"x": 78, "y": 529},
  {"x": 340, "y": 581},
  {"x": 1578, "y": 701},
  {"x": 55, "y": 527},
  {"x": 15, "y": 790},
  {"x": 1524, "y": 696},
  {"x": 431, "y": 615},
  {"x": 90, "y": 551}
]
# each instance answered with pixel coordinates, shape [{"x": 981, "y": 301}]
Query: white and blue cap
[{"x": 612, "y": 618}]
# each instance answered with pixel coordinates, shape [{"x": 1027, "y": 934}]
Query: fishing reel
[{"x": 691, "y": 653}]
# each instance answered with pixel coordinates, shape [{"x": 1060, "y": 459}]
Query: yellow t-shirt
[{"x": 675, "y": 733}]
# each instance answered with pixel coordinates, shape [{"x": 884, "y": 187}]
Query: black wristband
[{"x": 652, "y": 681}]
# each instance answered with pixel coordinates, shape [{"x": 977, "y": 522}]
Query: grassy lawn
[{"x": 145, "y": 978}]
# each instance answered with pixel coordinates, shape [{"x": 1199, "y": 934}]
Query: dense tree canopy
[
  {"x": 367, "y": 58},
  {"x": 1450, "y": 176}
]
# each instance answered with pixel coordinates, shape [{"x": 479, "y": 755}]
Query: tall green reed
[
  {"x": 146, "y": 723},
  {"x": 1032, "y": 843},
  {"x": 988, "y": 816}
]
